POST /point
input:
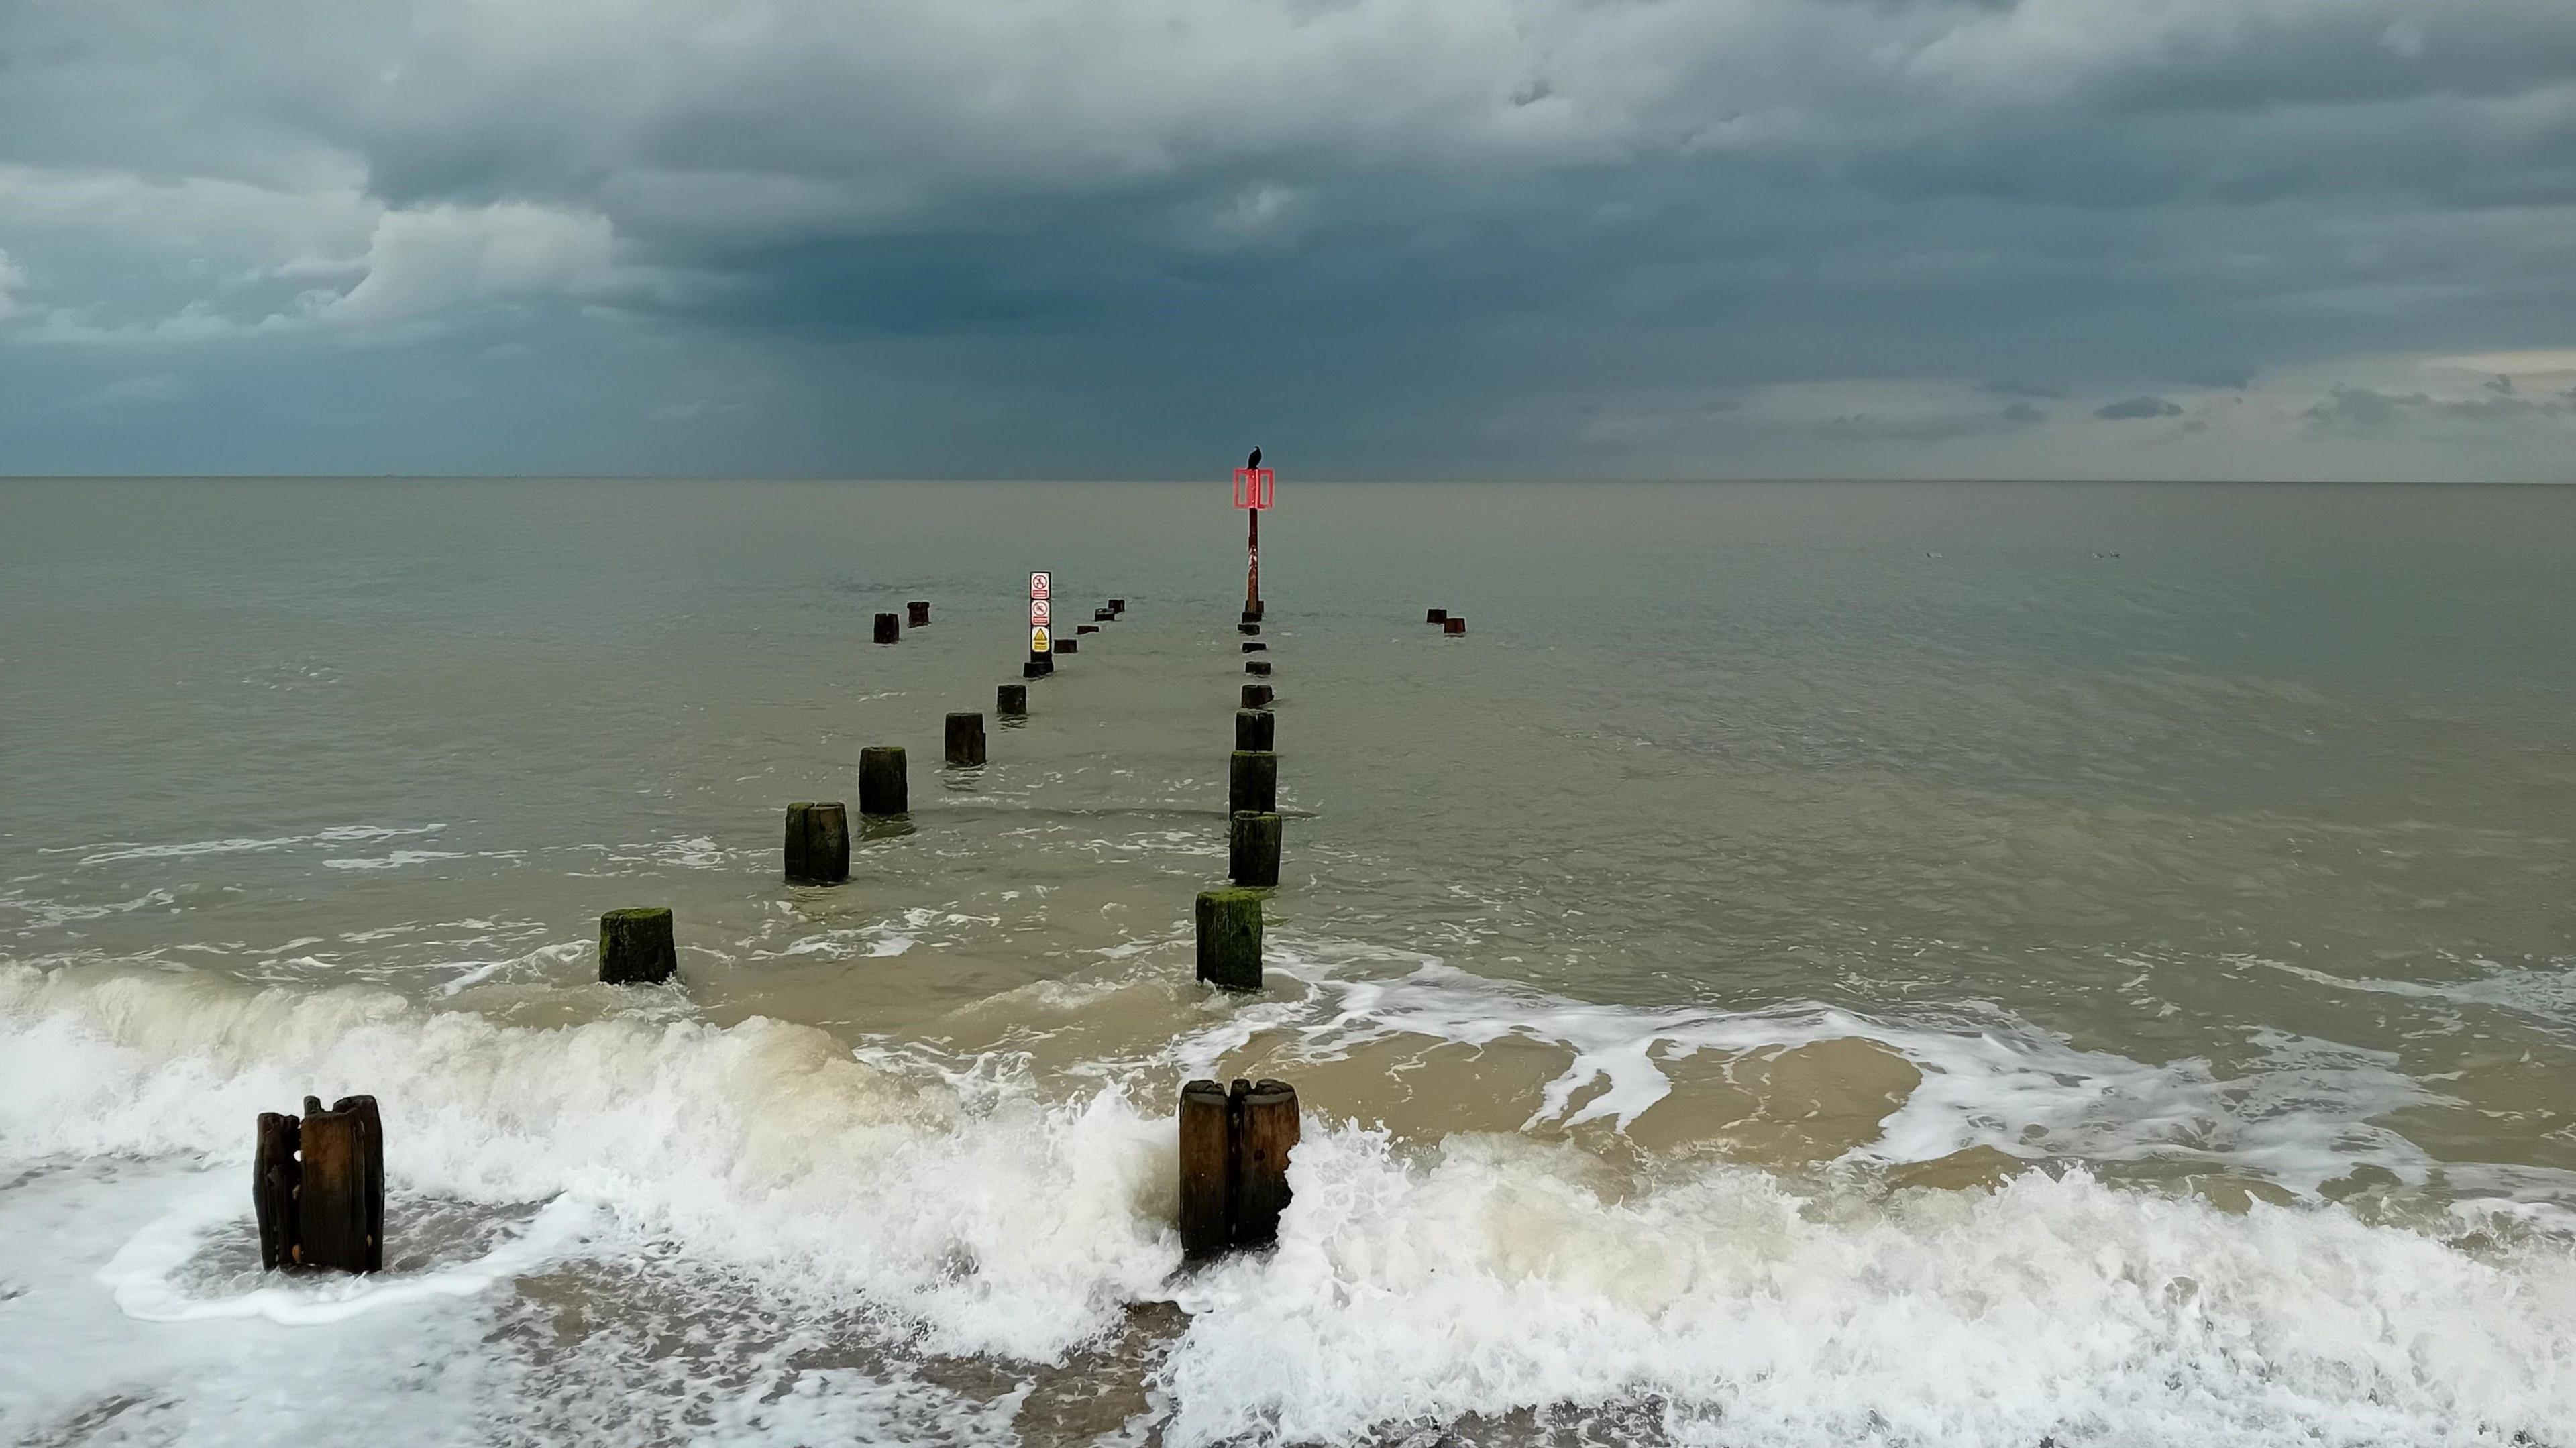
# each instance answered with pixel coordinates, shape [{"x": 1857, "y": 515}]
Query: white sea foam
[
  {"x": 1494, "y": 1273},
  {"x": 336, "y": 834}
]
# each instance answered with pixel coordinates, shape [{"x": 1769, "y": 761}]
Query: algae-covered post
[
  {"x": 1229, "y": 929},
  {"x": 889, "y": 628},
  {"x": 1264, "y": 1118},
  {"x": 884, "y": 786},
  {"x": 1207, "y": 1169},
  {"x": 635, "y": 947},
  {"x": 1252, "y": 849},
  {"x": 965, "y": 740},
  {"x": 1255, "y": 729},
  {"x": 818, "y": 843}
]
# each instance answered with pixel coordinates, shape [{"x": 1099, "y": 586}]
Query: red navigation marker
[{"x": 1255, "y": 488}]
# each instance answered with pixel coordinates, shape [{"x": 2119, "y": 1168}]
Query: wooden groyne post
[
  {"x": 1229, "y": 931},
  {"x": 884, "y": 787},
  {"x": 1255, "y": 729},
  {"x": 917, "y": 613},
  {"x": 635, "y": 947},
  {"x": 1252, "y": 849},
  {"x": 818, "y": 843},
  {"x": 1252, "y": 780},
  {"x": 889, "y": 627},
  {"x": 1011, "y": 701},
  {"x": 1257, "y": 696},
  {"x": 966, "y": 740},
  {"x": 1234, "y": 1150},
  {"x": 318, "y": 1187}
]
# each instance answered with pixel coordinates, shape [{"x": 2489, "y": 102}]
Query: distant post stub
[
  {"x": 818, "y": 843},
  {"x": 1229, "y": 930},
  {"x": 1085, "y": 628},
  {"x": 1117, "y": 605},
  {"x": 1257, "y": 696},
  {"x": 1069, "y": 646},
  {"x": 889, "y": 628},
  {"x": 917, "y": 613},
  {"x": 1252, "y": 781},
  {"x": 274, "y": 1174},
  {"x": 1258, "y": 668},
  {"x": 340, "y": 1206},
  {"x": 885, "y": 788},
  {"x": 635, "y": 947},
  {"x": 1255, "y": 729},
  {"x": 1033, "y": 670},
  {"x": 1247, "y": 628},
  {"x": 1252, "y": 850},
  {"x": 1453, "y": 627},
  {"x": 1103, "y": 615},
  {"x": 1436, "y": 615},
  {"x": 1264, "y": 1118},
  {"x": 1011, "y": 701},
  {"x": 1255, "y": 646},
  {"x": 1207, "y": 1169},
  {"x": 966, "y": 740}
]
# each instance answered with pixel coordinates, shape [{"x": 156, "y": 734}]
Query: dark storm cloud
[{"x": 804, "y": 233}]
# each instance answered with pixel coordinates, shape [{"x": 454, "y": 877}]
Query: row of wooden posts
[{"x": 318, "y": 1180}]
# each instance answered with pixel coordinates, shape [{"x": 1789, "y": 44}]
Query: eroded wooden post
[
  {"x": 1435, "y": 615},
  {"x": 1264, "y": 1118},
  {"x": 917, "y": 612},
  {"x": 1252, "y": 850},
  {"x": 1011, "y": 701},
  {"x": 1229, "y": 931},
  {"x": 1257, "y": 696},
  {"x": 1207, "y": 1169},
  {"x": 1252, "y": 781},
  {"x": 889, "y": 627},
  {"x": 318, "y": 1185},
  {"x": 274, "y": 1172},
  {"x": 884, "y": 786},
  {"x": 818, "y": 843},
  {"x": 1253, "y": 729}
]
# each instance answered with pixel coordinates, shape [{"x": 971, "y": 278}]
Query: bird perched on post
[{"x": 1255, "y": 464}]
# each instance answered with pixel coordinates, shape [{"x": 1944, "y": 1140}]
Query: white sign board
[{"x": 1038, "y": 585}]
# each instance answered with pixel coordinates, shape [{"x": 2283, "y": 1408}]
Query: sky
[{"x": 2275, "y": 239}]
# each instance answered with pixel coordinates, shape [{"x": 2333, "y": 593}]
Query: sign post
[
  {"x": 1254, "y": 491},
  {"x": 1041, "y": 617}
]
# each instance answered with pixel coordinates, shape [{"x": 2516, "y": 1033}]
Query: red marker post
[{"x": 1254, "y": 491}]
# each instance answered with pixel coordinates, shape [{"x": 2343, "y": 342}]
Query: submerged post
[
  {"x": 1436, "y": 615},
  {"x": 1069, "y": 646},
  {"x": 884, "y": 786},
  {"x": 1247, "y": 628},
  {"x": 1252, "y": 849},
  {"x": 917, "y": 612},
  {"x": 1258, "y": 668},
  {"x": 1117, "y": 605},
  {"x": 1453, "y": 626},
  {"x": 1252, "y": 781},
  {"x": 635, "y": 947},
  {"x": 889, "y": 628},
  {"x": 818, "y": 844},
  {"x": 1264, "y": 1117},
  {"x": 1011, "y": 701},
  {"x": 1255, "y": 729},
  {"x": 1229, "y": 927},
  {"x": 1257, "y": 696},
  {"x": 965, "y": 740},
  {"x": 1207, "y": 1169}
]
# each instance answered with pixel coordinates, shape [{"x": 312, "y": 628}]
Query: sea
[{"x": 1939, "y": 965}]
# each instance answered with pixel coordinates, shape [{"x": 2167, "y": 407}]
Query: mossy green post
[
  {"x": 635, "y": 947},
  {"x": 1252, "y": 850},
  {"x": 1230, "y": 939},
  {"x": 884, "y": 788},
  {"x": 1252, "y": 781}
]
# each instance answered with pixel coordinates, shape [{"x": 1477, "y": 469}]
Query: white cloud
[
  {"x": 13, "y": 279},
  {"x": 424, "y": 261}
]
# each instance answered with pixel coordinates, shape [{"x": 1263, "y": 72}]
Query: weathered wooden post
[
  {"x": 1264, "y": 1117},
  {"x": 1255, "y": 646},
  {"x": 818, "y": 843},
  {"x": 1033, "y": 670},
  {"x": 1117, "y": 605},
  {"x": 635, "y": 947},
  {"x": 884, "y": 787},
  {"x": 1252, "y": 781},
  {"x": 1437, "y": 615},
  {"x": 340, "y": 1202},
  {"x": 1011, "y": 701},
  {"x": 889, "y": 627},
  {"x": 1252, "y": 849},
  {"x": 1102, "y": 615},
  {"x": 1085, "y": 628},
  {"x": 1453, "y": 626},
  {"x": 1247, "y": 629},
  {"x": 1229, "y": 926},
  {"x": 1069, "y": 646},
  {"x": 917, "y": 613},
  {"x": 1257, "y": 696},
  {"x": 1207, "y": 1169},
  {"x": 1258, "y": 668},
  {"x": 318, "y": 1187},
  {"x": 1255, "y": 729},
  {"x": 274, "y": 1173},
  {"x": 965, "y": 740}
]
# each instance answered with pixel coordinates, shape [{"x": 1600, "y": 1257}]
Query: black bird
[{"x": 1255, "y": 464}]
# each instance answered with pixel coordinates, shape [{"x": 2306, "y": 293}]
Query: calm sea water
[{"x": 1930, "y": 964}]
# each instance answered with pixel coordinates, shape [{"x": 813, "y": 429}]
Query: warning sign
[
  {"x": 1038, "y": 641},
  {"x": 1038, "y": 583},
  {"x": 1039, "y": 608}
]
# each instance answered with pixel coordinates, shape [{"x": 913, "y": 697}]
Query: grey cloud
[{"x": 2137, "y": 407}]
